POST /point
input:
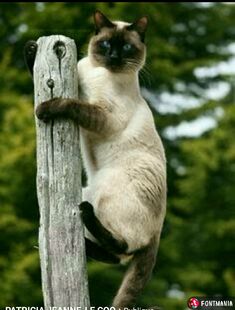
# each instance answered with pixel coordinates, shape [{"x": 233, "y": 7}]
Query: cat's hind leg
[
  {"x": 94, "y": 226},
  {"x": 98, "y": 253}
]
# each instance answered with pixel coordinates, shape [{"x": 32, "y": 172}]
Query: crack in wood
[
  {"x": 51, "y": 84},
  {"x": 60, "y": 51}
]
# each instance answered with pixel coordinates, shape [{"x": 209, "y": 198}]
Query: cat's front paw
[
  {"x": 30, "y": 50},
  {"x": 46, "y": 110}
]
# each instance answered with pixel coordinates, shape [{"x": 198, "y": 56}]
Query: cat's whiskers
[{"x": 144, "y": 73}]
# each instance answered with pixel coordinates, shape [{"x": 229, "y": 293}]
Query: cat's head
[{"x": 118, "y": 46}]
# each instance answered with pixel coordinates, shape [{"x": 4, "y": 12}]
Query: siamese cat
[{"x": 124, "y": 203}]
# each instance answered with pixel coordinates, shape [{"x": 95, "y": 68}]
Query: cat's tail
[{"x": 136, "y": 277}]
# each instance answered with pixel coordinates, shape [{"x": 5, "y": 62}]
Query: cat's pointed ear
[
  {"x": 140, "y": 26},
  {"x": 101, "y": 21}
]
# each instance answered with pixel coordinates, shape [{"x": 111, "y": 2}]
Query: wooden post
[{"x": 61, "y": 234}]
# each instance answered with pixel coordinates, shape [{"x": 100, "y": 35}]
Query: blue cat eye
[
  {"x": 127, "y": 47},
  {"x": 105, "y": 44}
]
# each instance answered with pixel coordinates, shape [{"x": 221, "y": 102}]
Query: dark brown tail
[{"x": 136, "y": 277}]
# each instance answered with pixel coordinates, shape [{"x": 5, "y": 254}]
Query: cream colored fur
[{"x": 125, "y": 164}]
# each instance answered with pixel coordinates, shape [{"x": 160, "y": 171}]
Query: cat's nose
[{"x": 114, "y": 55}]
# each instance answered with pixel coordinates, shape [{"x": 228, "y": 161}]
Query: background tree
[{"x": 197, "y": 249}]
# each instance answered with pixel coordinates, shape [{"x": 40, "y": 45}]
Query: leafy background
[{"x": 189, "y": 83}]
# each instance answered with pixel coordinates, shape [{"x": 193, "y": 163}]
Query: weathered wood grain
[{"x": 61, "y": 235}]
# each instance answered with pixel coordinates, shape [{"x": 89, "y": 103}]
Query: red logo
[{"x": 193, "y": 303}]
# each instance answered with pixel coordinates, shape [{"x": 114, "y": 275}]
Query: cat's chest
[{"x": 95, "y": 83}]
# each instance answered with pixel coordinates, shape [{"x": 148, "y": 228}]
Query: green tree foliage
[{"x": 197, "y": 249}]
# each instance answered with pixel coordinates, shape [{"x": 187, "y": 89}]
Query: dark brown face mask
[{"x": 118, "y": 49}]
